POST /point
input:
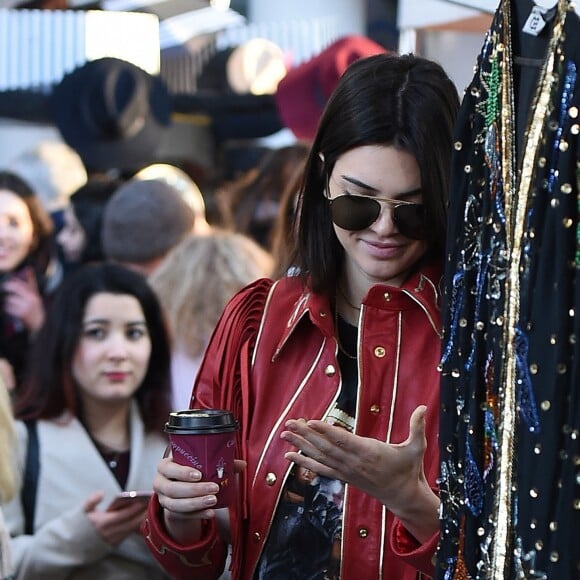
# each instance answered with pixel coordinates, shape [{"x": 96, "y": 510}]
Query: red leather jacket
[{"x": 273, "y": 357}]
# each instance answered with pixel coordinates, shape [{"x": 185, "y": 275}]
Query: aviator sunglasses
[{"x": 357, "y": 212}]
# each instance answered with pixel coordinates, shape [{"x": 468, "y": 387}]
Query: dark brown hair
[
  {"x": 241, "y": 199},
  {"x": 49, "y": 388},
  {"x": 404, "y": 101}
]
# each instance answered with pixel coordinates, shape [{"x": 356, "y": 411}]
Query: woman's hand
[
  {"x": 392, "y": 473},
  {"x": 115, "y": 526},
  {"x": 23, "y": 301},
  {"x": 186, "y": 499}
]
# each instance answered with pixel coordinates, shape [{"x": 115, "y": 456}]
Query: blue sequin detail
[
  {"x": 565, "y": 100},
  {"x": 480, "y": 280},
  {"x": 525, "y": 395},
  {"x": 490, "y": 433},
  {"x": 455, "y": 308},
  {"x": 473, "y": 484},
  {"x": 499, "y": 202},
  {"x": 450, "y": 572}
]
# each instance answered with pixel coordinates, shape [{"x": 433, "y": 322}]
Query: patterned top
[{"x": 510, "y": 416}]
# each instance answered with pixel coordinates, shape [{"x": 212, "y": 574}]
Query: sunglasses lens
[
  {"x": 410, "y": 221},
  {"x": 354, "y": 213}
]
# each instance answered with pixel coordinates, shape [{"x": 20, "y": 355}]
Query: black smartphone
[{"x": 127, "y": 497}]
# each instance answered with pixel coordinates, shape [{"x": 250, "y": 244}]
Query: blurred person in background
[
  {"x": 194, "y": 283},
  {"x": 185, "y": 185},
  {"x": 250, "y": 204},
  {"x": 80, "y": 238},
  {"x": 143, "y": 221},
  {"x": 29, "y": 272},
  {"x": 54, "y": 171},
  {"x": 285, "y": 228},
  {"x": 98, "y": 395}
]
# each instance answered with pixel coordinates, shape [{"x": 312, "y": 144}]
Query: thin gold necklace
[
  {"x": 337, "y": 333},
  {"x": 348, "y": 302}
]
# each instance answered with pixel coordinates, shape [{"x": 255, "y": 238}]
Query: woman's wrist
[
  {"x": 420, "y": 514},
  {"x": 184, "y": 530}
]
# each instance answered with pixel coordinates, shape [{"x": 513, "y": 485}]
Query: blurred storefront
[{"x": 177, "y": 38}]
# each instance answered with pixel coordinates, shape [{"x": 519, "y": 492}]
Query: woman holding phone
[
  {"x": 29, "y": 272},
  {"x": 97, "y": 396},
  {"x": 334, "y": 369}
]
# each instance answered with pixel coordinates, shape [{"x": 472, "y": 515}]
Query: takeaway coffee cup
[{"x": 205, "y": 439}]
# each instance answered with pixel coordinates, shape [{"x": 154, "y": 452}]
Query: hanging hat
[
  {"x": 113, "y": 113},
  {"x": 53, "y": 169},
  {"x": 255, "y": 67},
  {"x": 302, "y": 94}
]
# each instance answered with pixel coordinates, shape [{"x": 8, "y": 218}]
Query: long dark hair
[
  {"x": 44, "y": 248},
  {"x": 49, "y": 388},
  {"x": 405, "y": 101},
  {"x": 266, "y": 183}
]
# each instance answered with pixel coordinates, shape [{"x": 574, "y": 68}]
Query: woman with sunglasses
[{"x": 335, "y": 369}]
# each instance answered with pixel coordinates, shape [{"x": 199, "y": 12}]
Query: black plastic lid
[{"x": 201, "y": 421}]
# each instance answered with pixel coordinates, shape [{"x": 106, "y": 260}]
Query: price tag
[{"x": 535, "y": 22}]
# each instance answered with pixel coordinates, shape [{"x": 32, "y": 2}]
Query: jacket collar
[{"x": 422, "y": 288}]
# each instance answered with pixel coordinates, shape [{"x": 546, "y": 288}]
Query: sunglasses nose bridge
[{"x": 386, "y": 212}]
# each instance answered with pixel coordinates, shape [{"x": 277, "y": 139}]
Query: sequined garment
[{"x": 510, "y": 416}]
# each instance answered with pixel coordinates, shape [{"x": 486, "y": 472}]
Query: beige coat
[
  {"x": 6, "y": 567},
  {"x": 65, "y": 544}
]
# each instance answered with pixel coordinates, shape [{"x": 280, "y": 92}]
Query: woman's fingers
[
  {"x": 191, "y": 507},
  {"x": 371, "y": 465},
  {"x": 180, "y": 490},
  {"x": 93, "y": 500},
  {"x": 323, "y": 448},
  {"x": 184, "y": 489},
  {"x": 417, "y": 440},
  {"x": 313, "y": 465},
  {"x": 318, "y": 439}
]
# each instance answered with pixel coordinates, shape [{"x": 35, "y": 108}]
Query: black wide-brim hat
[{"x": 112, "y": 113}]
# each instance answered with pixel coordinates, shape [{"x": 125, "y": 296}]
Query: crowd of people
[{"x": 373, "y": 305}]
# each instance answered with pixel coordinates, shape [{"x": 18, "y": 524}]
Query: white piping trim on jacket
[
  {"x": 285, "y": 411},
  {"x": 357, "y": 415},
  {"x": 259, "y": 335},
  {"x": 383, "y": 541},
  {"x": 266, "y": 446},
  {"x": 429, "y": 317},
  {"x": 396, "y": 377},
  {"x": 433, "y": 286}
]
